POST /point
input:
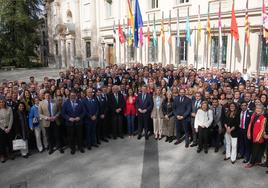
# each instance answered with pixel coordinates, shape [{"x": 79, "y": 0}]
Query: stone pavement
[
  {"x": 131, "y": 163},
  {"x": 24, "y": 74}
]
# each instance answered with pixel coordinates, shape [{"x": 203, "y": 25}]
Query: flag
[
  {"x": 234, "y": 28},
  {"x": 138, "y": 23},
  {"x": 199, "y": 27},
  {"x": 188, "y": 32},
  {"x": 141, "y": 37},
  {"x": 148, "y": 32},
  {"x": 154, "y": 34},
  {"x": 247, "y": 26},
  {"x": 178, "y": 30},
  {"x": 208, "y": 25},
  {"x": 163, "y": 30},
  {"x": 264, "y": 22},
  {"x": 114, "y": 34},
  {"x": 169, "y": 30},
  {"x": 220, "y": 26},
  {"x": 121, "y": 34},
  {"x": 130, "y": 23}
]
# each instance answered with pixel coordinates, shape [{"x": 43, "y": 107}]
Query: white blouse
[{"x": 203, "y": 118}]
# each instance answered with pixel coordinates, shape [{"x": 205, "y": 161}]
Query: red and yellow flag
[
  {"x": 234, "y": 28},
  {"x": 247, "y": 26}
]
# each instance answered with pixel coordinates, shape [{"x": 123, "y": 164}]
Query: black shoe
[
  {"x": 3, "y": 160},
  {"x": 177, "y": 142},
  {"x": 139, "y": 137},
  {"x": 167, "y": 139},
  {"x": 199, "y": 150},
  {"x": 239, "y": 157},
  {"x": 186, "y": 145},
  {"x": 121, "y": 137},
  {"x": 61, "y": 150},
  {"x": 226, "y": 159},
  {"x": 193, "y": 145},
  {"x": 245, "y": 161},
  {"x": 72, "y": 152},
  {"x": 170, "y": 140},
  {"x": 105, "y": 140},
  {"x": 266, "y": 172},
  {"x": 216, "y": 150},
  {"x": 25, "y": 156},
  {"x": 82, "y": 151},
  {"x": 147, "y": 137},
  {"x": 224, "y": 152},
  {"x": 50, "y": 152},
  {"x": 89, "y": 147},
  {"x": 98, "y": 143},
  {"x": 233, "y": 162},
  {"x": 114, "y": 138},
  {"x": 206, "y": 151},
  {"x": 109, "y": 137},
  {"x": 95, "y": 145}
]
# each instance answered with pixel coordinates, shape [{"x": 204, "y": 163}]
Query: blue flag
[
  {"x": 188, "y": 32},
  {"x": 138, "y": 23}
]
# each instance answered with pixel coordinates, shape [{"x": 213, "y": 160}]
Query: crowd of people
[{"x": 205, "y": 108}]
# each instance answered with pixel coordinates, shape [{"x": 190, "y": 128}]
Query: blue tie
[{"x": 49, "y": 108}]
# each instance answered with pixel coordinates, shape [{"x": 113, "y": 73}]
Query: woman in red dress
[{"x": 130, "y": 111}]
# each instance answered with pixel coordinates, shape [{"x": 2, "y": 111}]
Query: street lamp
[{"x": 103, "y": 46}]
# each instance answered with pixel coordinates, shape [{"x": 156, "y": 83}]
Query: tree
[{"x": 19, "y": 38}]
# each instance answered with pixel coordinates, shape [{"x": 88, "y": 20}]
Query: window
[
  {"x": 108, "y": 9},
  {"x": 56, "y": 48},
  {"x": 182, "y": 1},
  {"x": 215, "y": 52},
  {"x": 264, "y": 55},
  {"x": 131, "y": 52},
  {"x": 88, "y": 49},
  {"x": 182, "y": 51},
  {"x": 153, "y": 52},
  {"x": 154, "y": 4}
]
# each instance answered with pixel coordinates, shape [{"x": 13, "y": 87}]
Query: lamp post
[{"x": 103, "y": 46}]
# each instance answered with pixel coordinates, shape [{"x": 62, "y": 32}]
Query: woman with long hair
[
  {"x": 231, "y": 124},
  {"x": 6, "y": 121},
  {"x": 130, "y": 111}
]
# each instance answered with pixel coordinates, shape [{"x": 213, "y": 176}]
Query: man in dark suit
[
  {"x": 196, "y": 104},
  {"x": 92, "y": 109},
  {"x": 243, "y": 142},
  {"x": 101, "y": 122},
  {"x": 144, "y": 104},
  {"x": 73, "y": 113},
  {"x": 237, "y": 80},
  {"x": 61, "y": 79},
  {"x": 117, "y": 105},
  {"x": 182, "y": 111}
]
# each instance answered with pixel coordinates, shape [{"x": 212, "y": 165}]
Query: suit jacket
[
  {"x": 247, "y": 118},
  {"x": 154, "y": 111},
  {"x": 194, "y": 107},
  {"x": 113, "y": 104},
  {"x": 91, "y": 107},
  {"x": 103, "y": 108},
  {"x": 44, "y": 112},
  {"x": 233, "y": 122},
  {"x": 167, "y": 109},
  {"x": 218, "y": 116},
  {"x": 68, "y": 111},
  {"x": 182, "y": 108},
  {"x": 146, "y": 104}
]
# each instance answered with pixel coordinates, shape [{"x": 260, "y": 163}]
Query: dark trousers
[
  {"x": 3, "y": 142},
  {"x": 203, "y": 138},
  {"x": 117, "y": 125},
  {"x": 75, "y": 134},
  {"x": 182, "y": 124},
  {"x": 100, "y": 129},
  {"x": 130, "y": 124},
  {"x": 143, "y": 120},
  {"x": 243, "y": 144},
  {"x": 53, "y": 136},
  {"x": 194, "y": 134},
  {"x": 256, "y": 153},
  {"x": 215, "y": 137},
  {"x": 266, "y": 148},
  {"x": 91, "y": 133}
]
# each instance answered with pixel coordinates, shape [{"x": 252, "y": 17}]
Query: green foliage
[{"x": 19, "y": 36}]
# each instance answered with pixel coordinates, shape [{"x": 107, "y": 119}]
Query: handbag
[{"x": 19, "y": 144}]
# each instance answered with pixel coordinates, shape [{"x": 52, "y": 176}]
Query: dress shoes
[
  {"x": 245, "y": 161},
  {"x": 177, "y": 142},
  {"x": 146, "y": 137},
  {"x": 199, "y": 150},
  {"x": 72, "y": 152},
  {"x": 249, "y": 165},
  {"x": 193, "y": 145},
  {"x": 3, "y": 160},
  {"x": 139, "y": 137},
  {"x": 233, "y": 162},
  {"x": 105, "y": 140},
  {"x": 226, "y": 158},
  {"x": 82, "y": 150},
  {"x": 121, "y": 137},
  {"x": 167, "y": 139},
  {"x": 98, "y": 143},
  {"x": 95, "y": 145},
  {"x": 266, "y": 172},
  {"x": 61, "y": 150},
  {"x": 50, "y": 152},
  {"x": 186, "y": 145},
  {"x": 216, "y": 150},
  {"x": 89, "y": 147},
  {"x": 206, "y": 151}
]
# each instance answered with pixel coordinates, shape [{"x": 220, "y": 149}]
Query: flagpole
[
  {"x": 119, "y": 62},
  {"x": 163, "y": 44},
  {"x": 124, "y": 29},
  {"x": 114, "y": 50},
  {"x": 208, "y": 37},
  {"x": 220, "y": 38},
  {"x": 178, "y": 16},
  {"x": 170, "y": 37},
  {"x": 260, "y": 59},
  {"x": 148, "y": 42},
  {"x": 155, "y": 46},
  {"x": 198, "y": 35},
  {"x": 186, "y": 37}
]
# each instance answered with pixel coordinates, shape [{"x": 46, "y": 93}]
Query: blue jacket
[
  {"x": 68, "y": 111},
  {"x": 182, "y": 108},
  {"x": 34, "y": 113},
  {"x": 91, "y": 107},
  {"x": 147, "y": 104}
]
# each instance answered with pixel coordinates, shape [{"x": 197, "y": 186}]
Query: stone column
[
  {"x": 94, "y": 35},
  {"x": 72, "y": 55},
  {"x": 63, "y": 53}
]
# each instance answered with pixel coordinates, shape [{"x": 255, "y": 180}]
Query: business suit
[
  {"x": 49, "y": 109},
  {"x": 243, "y": 142},
  {"x": 91, "y": 109},
  {"x": 117, "y": 117},
  {"x": 196, "y": 104},
  {"x": 182, "y": 107},
  {"x": 102, "y": 119},
  {"x": 73, "y": 109},
  {"x": 144, "y": 102}
]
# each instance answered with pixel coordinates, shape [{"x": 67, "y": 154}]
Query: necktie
[
  {"x": 49, "y": 108},
  {"x": 196, "y": 105},
  {"x": 215, "y": 111},
  {"x": 73, "y": 105},
  {"x": 181, "y": 99},
  {"x": 242, "y": 121},
  {"x": 116, "y": 97},
  {"x": 143, "y": 97}
]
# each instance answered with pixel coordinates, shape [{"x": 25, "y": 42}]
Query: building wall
[{"x": 95, "y": 19}]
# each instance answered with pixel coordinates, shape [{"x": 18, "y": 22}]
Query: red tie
[{"x": 242, "y": 120}]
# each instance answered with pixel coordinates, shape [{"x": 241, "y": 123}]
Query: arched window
[{"x": 69, "y": 17}]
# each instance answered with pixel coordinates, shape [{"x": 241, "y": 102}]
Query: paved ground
[
  {"x": 24, "y": 74},
  {"x": 131, "y": 164}
]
